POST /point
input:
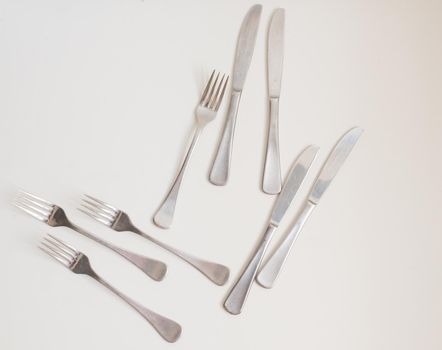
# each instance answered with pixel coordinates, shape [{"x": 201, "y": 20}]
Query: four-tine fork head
[
  {"x": 99, "y": 210},
  {"x": 59, "y": 250},
  {"x": 214, "y": 92},
  {"x": 34, "y": 206}
]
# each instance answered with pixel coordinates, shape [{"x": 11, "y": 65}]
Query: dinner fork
[
  {"x": 205, "y": 113},
  {"x": 55, "y": 216},
  {"x": 79, "y": 263},
  {"x": 119, "y": 221}
]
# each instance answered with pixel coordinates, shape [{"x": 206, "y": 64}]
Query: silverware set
[{"x": 206, "y": 110}]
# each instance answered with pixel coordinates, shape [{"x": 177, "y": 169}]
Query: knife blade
[
  {"x": 245, "y": 46},
  {"x": 243, "y": 56},
  {"x": 294, "y": 180},
  {"x": 271, "y": 181},
  {"x": 336, "y": 158},
  {"x": 333, "y": 163},
  {"x": 275, "y": 52},
  {"x": 238, "y": 295}
]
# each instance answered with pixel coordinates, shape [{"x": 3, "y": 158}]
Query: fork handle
[
  {"x": 221, "y": 165},
  {"x": 217, "y": 273},
  {"x": 153, "y": 268},
  {"x": 164, "y": 215},
  {"x": 238, "y": 295},
  {"x": 271, "y": 182},
  {"x": 168, "y": 329}
]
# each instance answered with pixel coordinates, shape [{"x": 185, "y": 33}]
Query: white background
[{"x": 98, "y": 96}]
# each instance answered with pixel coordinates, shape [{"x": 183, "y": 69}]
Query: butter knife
[
  {"x": 338, "y": 155},
  {"x": 238, "y": 295},
  {"x": 271, "y": 182},
  {"x": 244, "y": 51}
]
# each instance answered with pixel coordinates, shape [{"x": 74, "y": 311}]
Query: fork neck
[
  {"x": 136, "y": 230},
  {"x": 74, "y": 227},
  {"x": 196, "y": 135}
]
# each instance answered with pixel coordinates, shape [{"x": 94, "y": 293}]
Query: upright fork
[
  {"x": 205, "y": 113},
  {"x": 55, "y": 216},
  {"x": 120, "y": 221},
  {"x": 78, "y": 263}
]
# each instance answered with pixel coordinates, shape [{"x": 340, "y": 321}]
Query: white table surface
[{"x": 97, "y": 97}]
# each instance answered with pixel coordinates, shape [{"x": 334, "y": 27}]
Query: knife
[
  {"x": 244, "y": 51},
  {"x": 238, "y": 295},
  {"x": 271, "y": 182},
  {"x": 338, "y": 155}
]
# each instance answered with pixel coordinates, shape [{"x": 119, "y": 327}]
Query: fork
[
  {"x": 119, "y": 221},
  {"x": 205, "y": 113},
  {"x": 55, "y": 216},
  {"x": 78, "y": 263}
]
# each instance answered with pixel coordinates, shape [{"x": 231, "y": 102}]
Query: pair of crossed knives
[{"x": 270, "y": 271}]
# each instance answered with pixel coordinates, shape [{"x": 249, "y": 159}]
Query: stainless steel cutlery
[
  {"x": 206, "y": 110},
  {"x": 271, "y": 181},
  {"x": 205, "y": 113},
  {"x": 55, "y": 216},
  {"x": 238, "y": 295},
  {"x": 79, "y": 263},
  {"x": 118, "y": 220},
  {"x": 338, "y": 155},
  {"x": 244, "y": 51}
]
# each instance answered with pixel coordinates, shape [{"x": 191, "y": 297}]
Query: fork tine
[
  {"x": 62, "y": 260},
  {"x": 35, "y": 205},
  {"x": 56, "y": 250},
  {"x": 98, "y": 212},
  {"x": 206, "y": 89},
  {"x": 65, "y": 245},
  {"x": 31, "y": 212},
  {"x": 96, "y": 217},
  {"x": 98, "y": 207},
  {"x": 210, "y": 97},
  {"x": 102, "y": 203},
  {"x": 37, "y": 198},
  {"x": 220, "y": 97},
  {"x": 214, "y": 97}
]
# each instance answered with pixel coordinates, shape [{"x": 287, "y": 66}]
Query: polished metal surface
[
  {"x": 293, "y": 183},
  {"x": 245, "y": 46},
  {"x": 205, "y": 112},
  {"x": 55, "y": 216},
  {"x": 271, "y": 176},
  {"x": 335, "y": 160},
  {"x": 119, "y": 221},
  {"x": 79, "y": 263},
  {"x": 237, "y": 297},
  {"x": 271, "y": 269},
  {"x": 271, "y": 182},
  {"x": 244, "y": 51},
  {"x": 275, "y": 53}
]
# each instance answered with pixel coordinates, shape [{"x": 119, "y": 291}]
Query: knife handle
[
  {"x": 238, "y": 295},
  {"x": 220, "y": 168},
  {"x": 273, "y": 266},
  {"x": 271, "y": 181}
]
